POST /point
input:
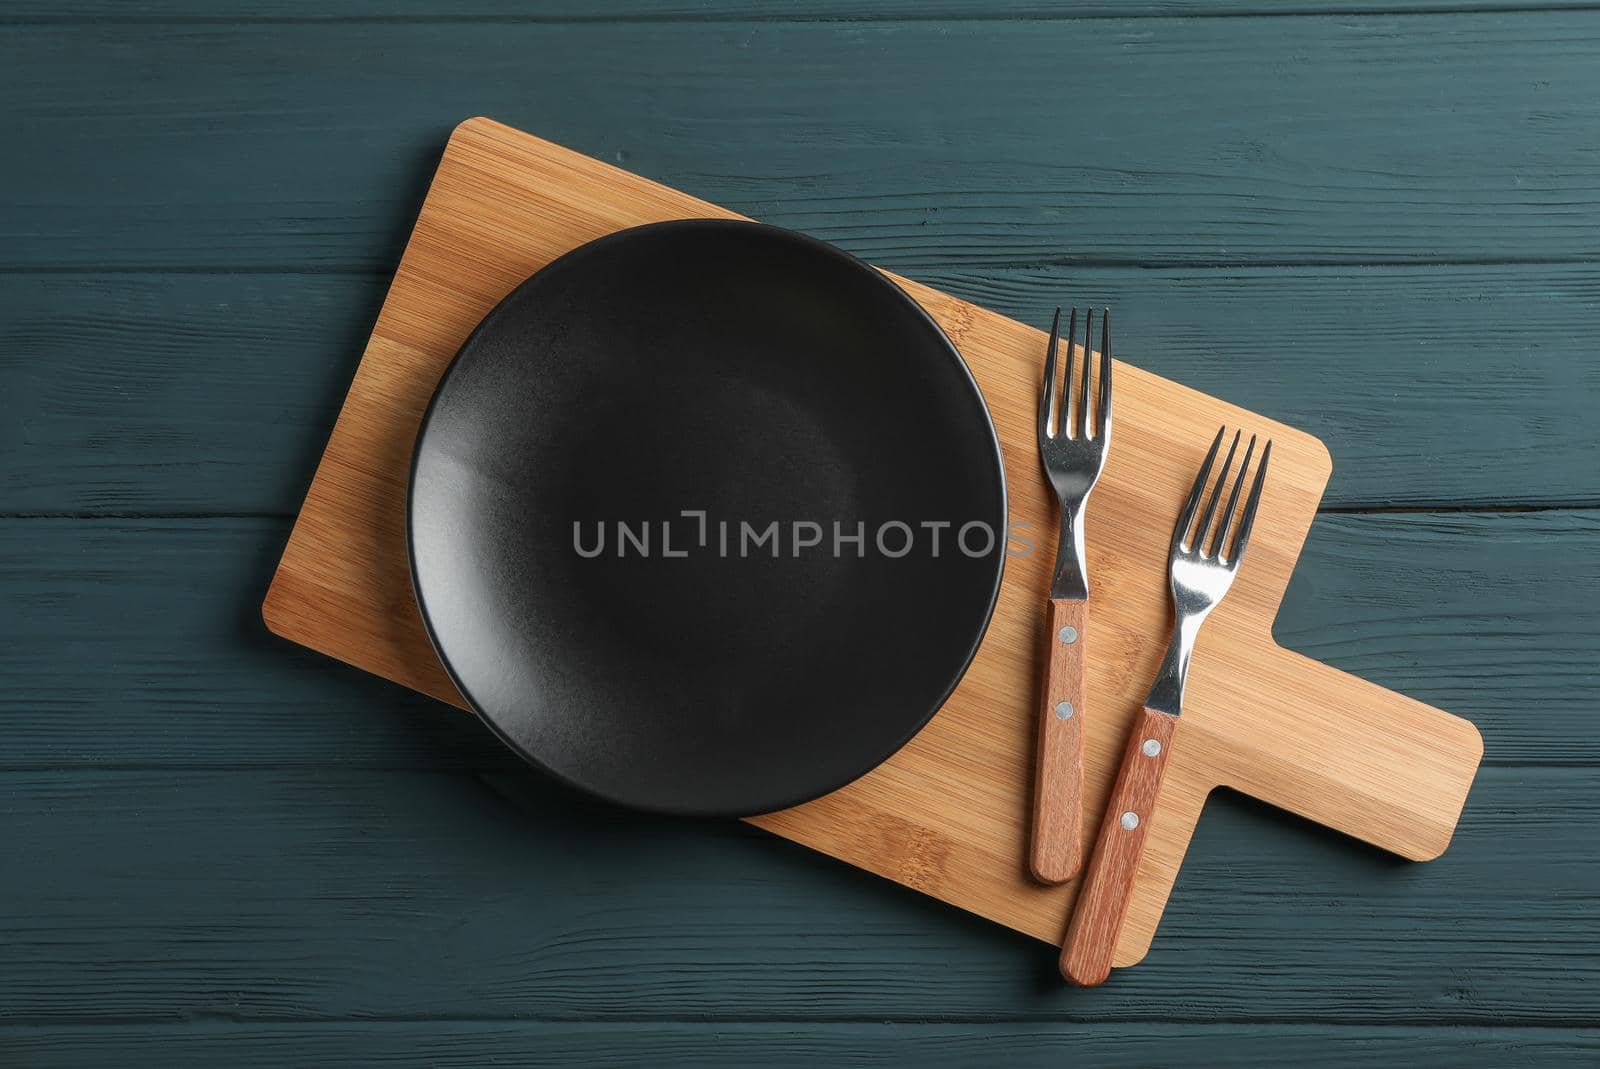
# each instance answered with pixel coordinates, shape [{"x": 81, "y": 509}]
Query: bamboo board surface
[{"x": 947, "y": 815}]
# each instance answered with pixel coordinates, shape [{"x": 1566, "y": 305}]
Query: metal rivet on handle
[
  {"x": 1063, "y": 710},
  {"x": 1152, "y": 747},
  {"x": 1130, "y": 820},
  {"x": 1069, "y": 635}
]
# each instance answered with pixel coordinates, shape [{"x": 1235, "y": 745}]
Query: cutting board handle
[{"x": 1319, "y": 742}]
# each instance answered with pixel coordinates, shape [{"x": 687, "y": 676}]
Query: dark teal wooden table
[{"x": 222, "y": 850}]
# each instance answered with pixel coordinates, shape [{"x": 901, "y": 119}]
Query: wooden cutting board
[{"x": 947, "y": 815}]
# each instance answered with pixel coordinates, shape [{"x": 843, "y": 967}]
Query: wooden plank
[
  {"x": 157, "y": 624},
  {"x": 652, "y": 1045},
  {"x": 170, "y": 606},
  {"x": 166, "y": 896},
  {"x": 182, "y": 393},
  {"x": 511, "y": 11},
  {"x": 1378, "y": 139},
  {"x": 173, "y": 393}
]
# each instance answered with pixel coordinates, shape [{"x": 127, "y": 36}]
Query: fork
[
  {"x": 1073, "y": 449},
  {"x": 1202, "y": 568}
]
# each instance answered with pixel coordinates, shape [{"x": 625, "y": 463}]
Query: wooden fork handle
[
  {"x": 1057, "y": 852},
  {"x": 1103, "y": 898}
]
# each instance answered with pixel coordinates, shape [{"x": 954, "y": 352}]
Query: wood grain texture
[
  {"x": 139, "y": 642},
  {"x": 280, "y": 895},
  {"x": 469, "y": 1044},
  {"x": 1055, "y": 847},
  {"x": 504, "y": 203},
  {"x": 512, "y": 11},
  {"x": 1107, "y": 890},
  {"x": 172, "y": 394},
  {"x": 303, "y": 145},
  {"x": 185, "y": 393}
]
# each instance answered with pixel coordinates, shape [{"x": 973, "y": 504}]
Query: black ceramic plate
[{"x": 592, "y": 510}]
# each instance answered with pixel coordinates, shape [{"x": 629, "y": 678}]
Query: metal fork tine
[
  {"x": 1081, "y": 415},
  {"x": 1202, "y": 532},
  {"x": 1233, "y": 499},
  {"x": 1047, "y": 391},
  {"x": 1102, "y": 417},
  {"x": 1189, "y": 506},
  {"x": 1064, "y": 419},
  {"x": 1248, "y": 520}
]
